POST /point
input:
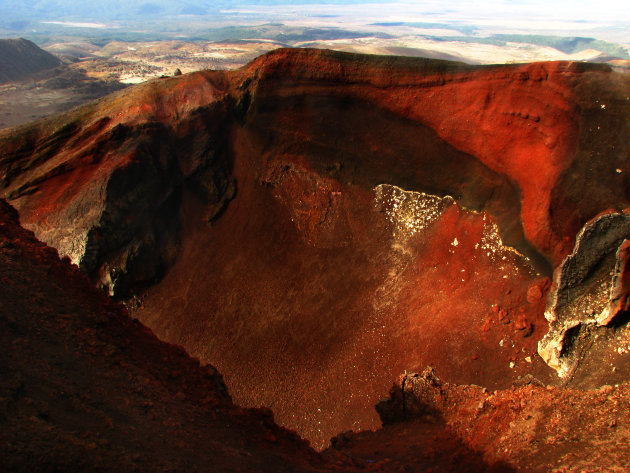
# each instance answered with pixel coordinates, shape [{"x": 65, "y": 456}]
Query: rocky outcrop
[
  {"x": 21, "y": 58},
  {"x": 590, "y": 288},
  {"x": 413, "y": 396},
  {"x": 527, "y": 428},
  {"x": 368, "y": 215}
]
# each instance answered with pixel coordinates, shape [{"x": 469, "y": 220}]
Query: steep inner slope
[
  {"x": 334, "y": 258},
  {"x": 86, "y": 388}
]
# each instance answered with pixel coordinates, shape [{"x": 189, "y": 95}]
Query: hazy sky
[
  {"x": 581, "y": 10},
  {"x": 604, "y": 19},
  {"x": 574, "y": 9}
]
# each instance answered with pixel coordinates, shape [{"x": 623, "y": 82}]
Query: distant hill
[
  {"x": 565, "y": 44},
  {"x": 569, "y": 45},
  {"x": 19, "y": 58}
]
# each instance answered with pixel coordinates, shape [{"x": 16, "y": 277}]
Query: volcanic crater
[{"x": 317, "y": 223}]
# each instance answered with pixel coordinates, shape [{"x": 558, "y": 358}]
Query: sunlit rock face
[
  {"x": 590, "y": 289},
  {"x": 316, "y": 223},
  {"x": 524, "y": 428}
]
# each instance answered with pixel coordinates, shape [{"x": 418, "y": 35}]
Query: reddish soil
[
  {"x": 87, "y": 388},
  {"x": 324, "y": 319}
]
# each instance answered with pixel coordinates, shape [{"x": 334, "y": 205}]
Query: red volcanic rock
[
  {"x": 524, "y": 122},
  {"x": 534, "y": 294},
  {"x": 431, "y": 425},
  {"x": 368, "y": 215}
]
